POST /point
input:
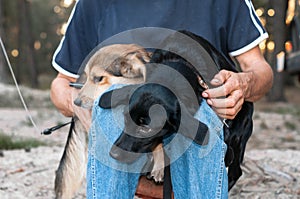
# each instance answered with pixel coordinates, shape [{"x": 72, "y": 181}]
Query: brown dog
[{"x": 113, "y": 64}]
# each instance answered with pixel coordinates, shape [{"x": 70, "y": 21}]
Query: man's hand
[
  {"x": 230, "y": 92},
  {"x": 232, "y": 89},
  {"x": 62, "y": 94}
]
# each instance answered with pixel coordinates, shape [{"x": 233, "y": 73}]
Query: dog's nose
[
  {"x": 115, "y": 153},
  {"x": 122, "y": 155},
  {"x": 78, "y": 102}
]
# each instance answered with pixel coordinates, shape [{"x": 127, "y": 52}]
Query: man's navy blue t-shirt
[{"x": 230, "y": 25}]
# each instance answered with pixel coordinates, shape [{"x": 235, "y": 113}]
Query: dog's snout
[
  {"x": 114, "y": 153},
  {"x": 78, "y": 102},
  {"x": 122, "y": 155}
]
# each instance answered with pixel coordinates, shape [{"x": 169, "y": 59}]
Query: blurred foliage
[
  {"x": 33, "y": 24},
  {"x": 260, "y": 3},
  {"x": 9, "y": 142}
]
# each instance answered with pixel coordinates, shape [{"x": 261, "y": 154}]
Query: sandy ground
[{"x": 271, "y": 165}]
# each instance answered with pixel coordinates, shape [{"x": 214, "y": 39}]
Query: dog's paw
[{"x": 157, "y": 176}]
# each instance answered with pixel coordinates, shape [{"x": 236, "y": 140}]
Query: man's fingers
[
  {"x": 227, "y": 108},
  {"x": 220, "y": 91},
  {"x": 220, "y": 78},
  {"x": 229, "y": 83},
  {"x": 229, "y": 102},
  {"x": 228, "y": 95}
]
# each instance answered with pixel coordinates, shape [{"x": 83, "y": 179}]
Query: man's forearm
[
  {"x": 258, "y": 74},
  {"x": 260, "y": 83}
]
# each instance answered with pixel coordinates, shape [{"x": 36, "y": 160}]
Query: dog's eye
[{"x": 97, "y": 79}]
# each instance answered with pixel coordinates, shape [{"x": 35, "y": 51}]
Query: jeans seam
[
  {"x": 93, "y": 165},
  {"x": 93, "y": 177},
  {"x": 221, "y": 173}
]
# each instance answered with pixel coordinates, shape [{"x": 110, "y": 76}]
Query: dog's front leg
[
  {"x": 157, "y": 173},
  {"x": 72, "y": 167}
]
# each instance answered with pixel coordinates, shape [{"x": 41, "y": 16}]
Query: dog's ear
[
  {"x": 116, "y": 97},
  {"x": 143, "y": 55},
  {"x": 193, "y": 128},
  {"x": 120, "y": 67}
]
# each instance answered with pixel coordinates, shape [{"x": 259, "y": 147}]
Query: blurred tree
[
  {"x": 3, "y": 66},
  {"x": 276, "y": 26},
  {"x": 33, "y": 31},
  {"x": 273, "y": 14},
  {"x": 26, "y": 42}
]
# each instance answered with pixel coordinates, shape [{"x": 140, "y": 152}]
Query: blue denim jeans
[{"x": 196, "y": 171}]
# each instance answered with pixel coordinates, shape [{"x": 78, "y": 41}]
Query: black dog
[
  {"x": 237, "y": 131},
  {"x": 152, "y": 126},
  {"x": 157, "y": 108}
]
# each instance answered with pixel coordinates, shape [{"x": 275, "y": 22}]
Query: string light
[
  {"x": 67, "y": 3},
  {"x": 271, "y": 12},
  {"x": 15, "y": 53}
]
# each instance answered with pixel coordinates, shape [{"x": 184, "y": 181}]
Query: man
[{"x": 230, "y": 25}]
